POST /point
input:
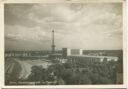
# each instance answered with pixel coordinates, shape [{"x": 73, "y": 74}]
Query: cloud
[
  {"x": 24, "y": 33},
  {"x": 75, "y": 25}
]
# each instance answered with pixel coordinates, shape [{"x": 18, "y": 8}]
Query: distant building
[
  {"x": 78, "y": 55},
  {"x": 68, "y": 52}
]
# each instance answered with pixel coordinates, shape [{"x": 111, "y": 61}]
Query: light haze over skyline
[{"x": 91, "y": 26}]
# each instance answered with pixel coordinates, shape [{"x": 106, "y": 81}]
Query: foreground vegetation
[
  {"x": 81, "y": 73},
  {"x": 76, "y": 72}
]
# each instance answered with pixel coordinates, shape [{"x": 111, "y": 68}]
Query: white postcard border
[{"x": 125, "y": 40}]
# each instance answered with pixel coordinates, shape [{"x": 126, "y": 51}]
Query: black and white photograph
[{"x": 63, "y": 43}]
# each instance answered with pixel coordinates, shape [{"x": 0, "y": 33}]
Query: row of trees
[{"x": 67, "y": 73}]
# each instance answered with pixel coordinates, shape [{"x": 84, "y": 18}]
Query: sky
[{"x": 91, "y": 26}]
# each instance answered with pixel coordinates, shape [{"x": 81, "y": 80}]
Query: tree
[{"x": 38, "y": 73}]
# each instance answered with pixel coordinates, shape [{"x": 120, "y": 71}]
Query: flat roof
[{"x": 92, "y": 56}]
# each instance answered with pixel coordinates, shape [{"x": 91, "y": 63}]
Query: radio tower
[{"x": 53, "y": 45}]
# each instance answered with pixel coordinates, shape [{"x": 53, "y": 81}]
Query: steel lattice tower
[{"x": 53, "y": 42}]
